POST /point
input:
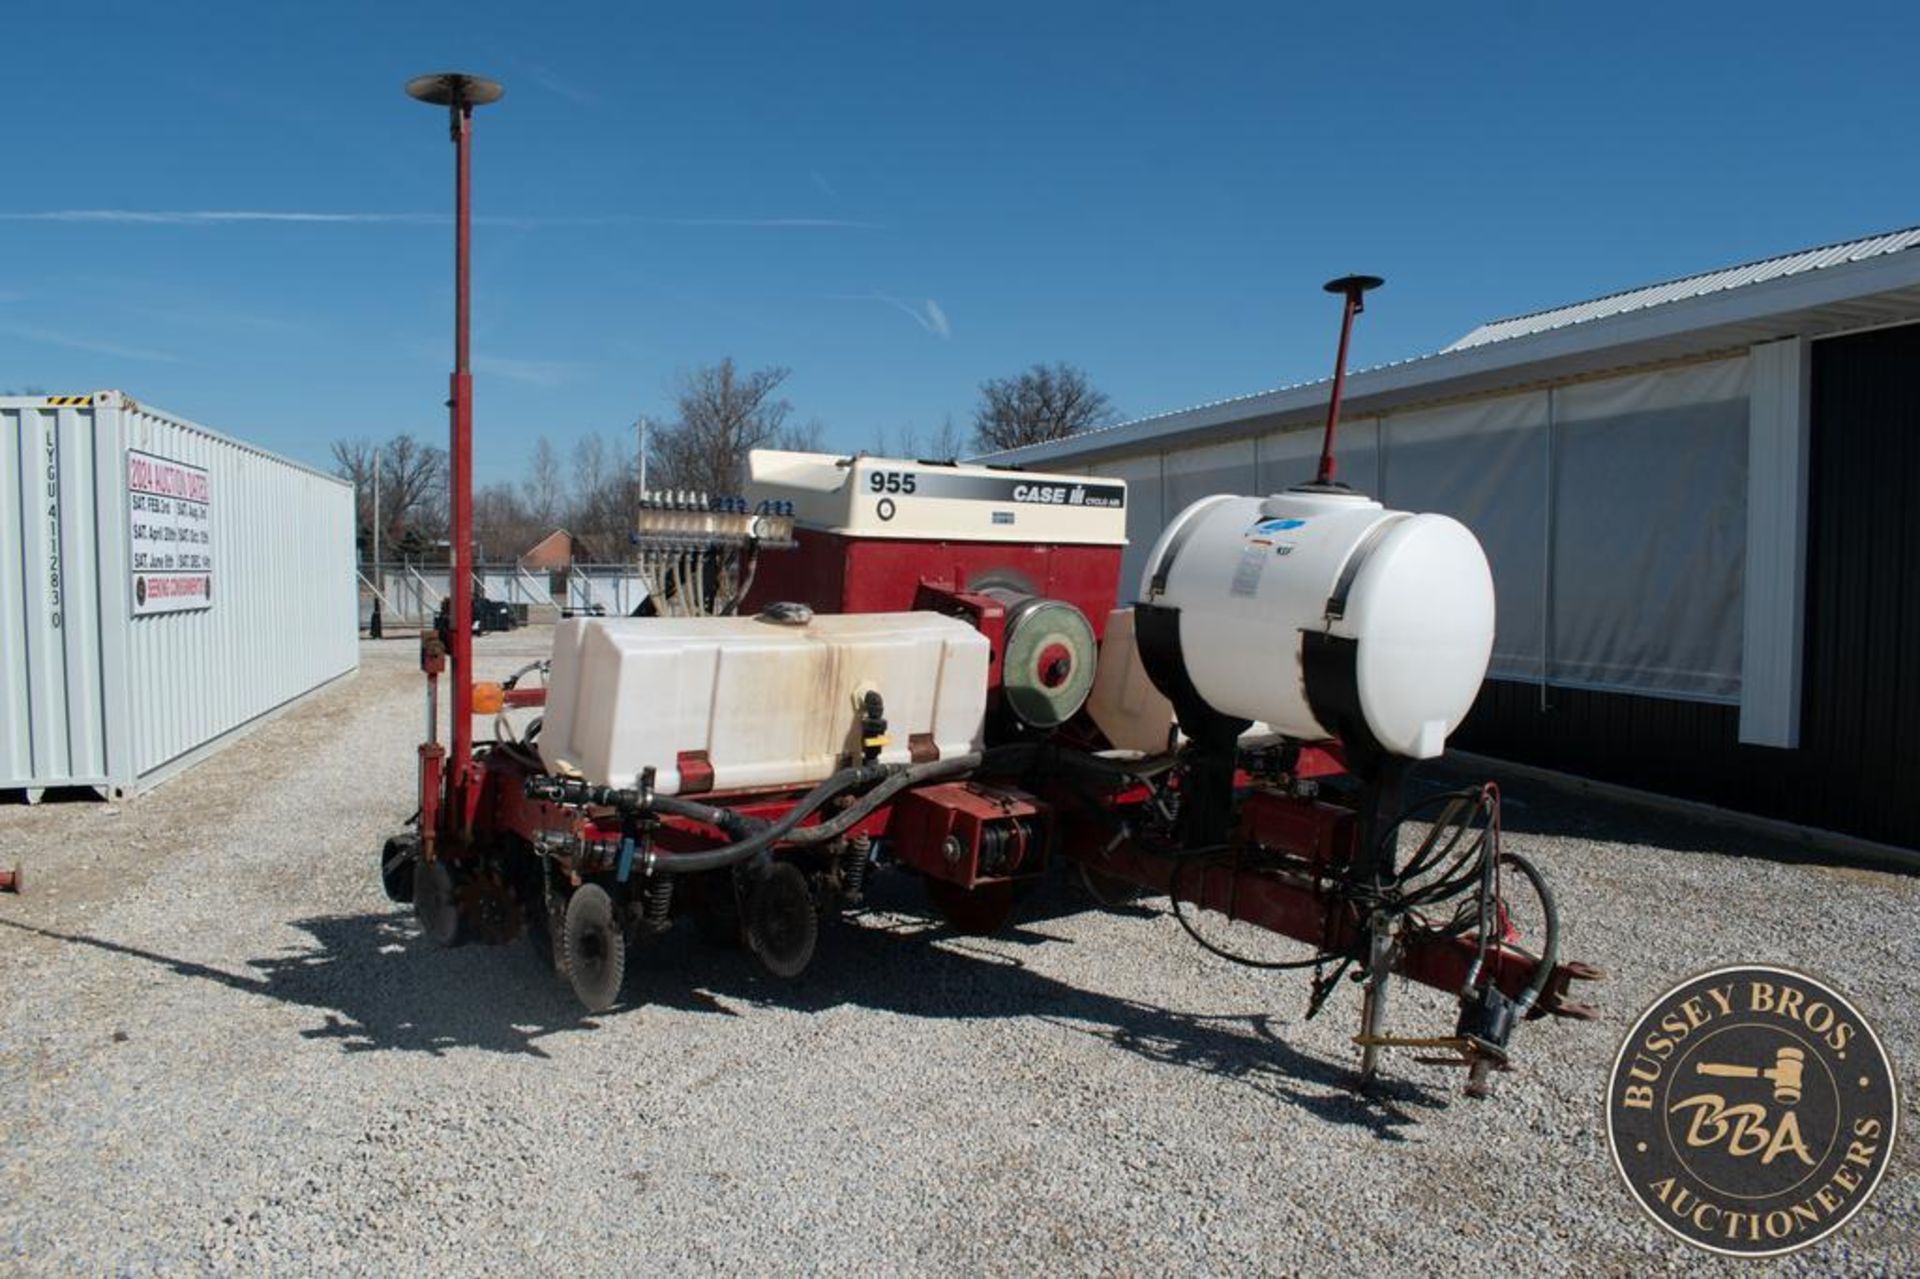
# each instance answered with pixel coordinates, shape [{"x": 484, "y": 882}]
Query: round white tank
[{"x": 1324, "y": 615}]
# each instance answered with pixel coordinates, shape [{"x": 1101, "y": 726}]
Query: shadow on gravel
[
  {"x": 914, "y": 967},
  {"x": 380, "y": 986}
]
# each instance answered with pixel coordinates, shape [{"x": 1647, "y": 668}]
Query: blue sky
[{"x": 896, "y": 201}]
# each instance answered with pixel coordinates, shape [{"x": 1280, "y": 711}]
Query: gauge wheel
[{"x": 397, "y": 857}]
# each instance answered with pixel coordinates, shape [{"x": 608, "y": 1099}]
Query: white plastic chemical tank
[
  {"x": 1326, "y": 615},
  {"x": 762, "y": 703}
]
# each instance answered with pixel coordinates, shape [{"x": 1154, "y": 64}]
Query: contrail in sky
[
  {"x": 224, "y": 217},
  {"x": 928, "y": 315}
]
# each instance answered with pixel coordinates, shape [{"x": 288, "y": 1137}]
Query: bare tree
[
  {"x": 413, "y": 491},
  {"x": 589, "y": 467},
  {"x": 807, "y": 437},
  {"x": 945, "y": 444},
  {"x": 1046, "y": 402},
  {"x": 411, "y": 478},
  {"x": 353, "y": 462},
  {"x": 503, "y": 530},
  {"x": 543, "y": 491},
  {"x": 722, "y": 414},
  {"x": 605, "y": 490}
]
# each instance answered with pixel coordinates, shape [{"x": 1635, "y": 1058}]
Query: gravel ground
[{"x": 222, "y": 1049}]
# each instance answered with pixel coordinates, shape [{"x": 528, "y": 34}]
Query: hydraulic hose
[
  {"x": 764, "y": 835},
  {"x": 1550, "y": 946}
]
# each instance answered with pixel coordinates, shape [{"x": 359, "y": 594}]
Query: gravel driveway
[{"x": 222, "y": 1049}]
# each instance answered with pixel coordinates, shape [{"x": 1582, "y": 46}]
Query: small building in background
[
  {"x": 165, "y": 588},
  {"x": 1698, "y": 499},
  {"x": 557, "y": 552}
]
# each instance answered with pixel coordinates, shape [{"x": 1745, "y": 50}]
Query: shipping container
[{"x": 164, "y": 588}]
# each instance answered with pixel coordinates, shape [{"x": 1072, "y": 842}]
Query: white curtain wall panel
[
  {"x": 1293, "y": 456},
  {"x": 1613, "y": 513},
  {"x": 1205, "y": 469},
  {"x": 1146, "y": 514},
  {"x": 1649, "y": 547},
  {"x": 1485, "y": 464}
]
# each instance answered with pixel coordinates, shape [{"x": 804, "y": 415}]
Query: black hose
[
  {"x": 757, "y": 831},
  {"x": 841, "y": 822},
  {"x": 764, "y": 835},
  {"x": 1550, "y": 947}
]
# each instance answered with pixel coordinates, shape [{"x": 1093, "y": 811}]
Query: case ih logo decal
[
  {"x": 1751, "y": 1111},
  {"x": 1104, "y": 496}
]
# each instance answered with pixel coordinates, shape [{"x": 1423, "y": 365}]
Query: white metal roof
[
  {"x": 1691, "y": 286},
  {"x": 1820, "y": 291}
]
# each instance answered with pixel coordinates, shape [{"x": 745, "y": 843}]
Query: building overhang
[{"x": 1834, "y": 299}]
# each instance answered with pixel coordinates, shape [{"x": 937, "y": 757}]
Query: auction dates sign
[{"x": 171, "y": 535}]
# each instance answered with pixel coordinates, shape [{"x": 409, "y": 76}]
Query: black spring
[
  {"x": 658, "y": 904},
  {"x": 854, "y": 861}
]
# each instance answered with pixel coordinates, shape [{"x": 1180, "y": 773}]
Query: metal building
[
  {"x": 1697, "y": 498},
  {"x": 162, "y": 587}
]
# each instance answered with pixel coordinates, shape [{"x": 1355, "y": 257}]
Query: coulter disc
[
  {"x": 434, "y": 903},
  {"x": 782, "y": 925},
  {"x": 594, "y": 948}
]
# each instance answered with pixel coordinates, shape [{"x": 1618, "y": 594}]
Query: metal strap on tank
[
  {"x": 1337, "y": 602},
  {"x": 1158, "y": 586}
]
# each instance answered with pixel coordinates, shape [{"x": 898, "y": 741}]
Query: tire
[{"x": 397, "y": 857}]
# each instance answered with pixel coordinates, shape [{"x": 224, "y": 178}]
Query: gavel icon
[{"x": 1787, "y": 1073}]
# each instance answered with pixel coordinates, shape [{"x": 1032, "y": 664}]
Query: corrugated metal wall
[
  {"x": 1853, "y": 769},
  {"x": 52, "y": 693},
  {"x": 1862, "y": 672},
  {"x": 93, "y": 695},
  {"x": 284, "y": 615}
]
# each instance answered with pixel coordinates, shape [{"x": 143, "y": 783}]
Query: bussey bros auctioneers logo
[{"x": 1751, "y": 1110}]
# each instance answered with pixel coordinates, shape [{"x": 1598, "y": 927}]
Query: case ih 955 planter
[{"x": 869, "y": 662}]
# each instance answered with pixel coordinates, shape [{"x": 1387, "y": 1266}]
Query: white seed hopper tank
[
  {"x": 1326, "y": 615},
  {"x": 759, "y": 702}
]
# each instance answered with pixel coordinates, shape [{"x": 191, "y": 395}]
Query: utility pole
[
  {"x": 376, "y": 519},
  {"x": 640, "y": 427}
]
